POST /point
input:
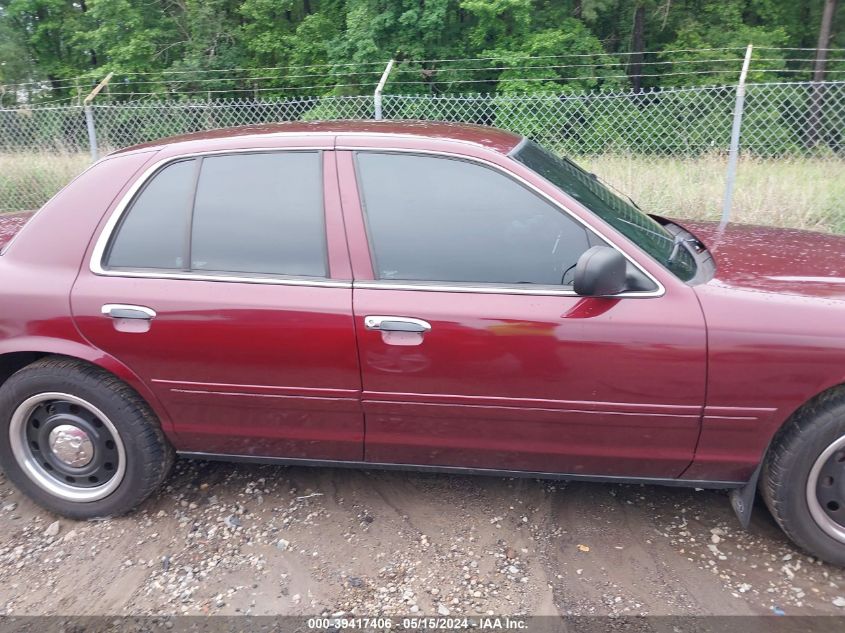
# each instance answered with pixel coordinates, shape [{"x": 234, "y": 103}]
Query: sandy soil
[{"x": 239, "y": 539}]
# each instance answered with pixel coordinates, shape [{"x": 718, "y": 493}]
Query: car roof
[{"x": 492, "y": 138}]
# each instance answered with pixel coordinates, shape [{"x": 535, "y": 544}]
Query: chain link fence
[{"x": 667, "y": 148}]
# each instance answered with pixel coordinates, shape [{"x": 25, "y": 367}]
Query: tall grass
[
  {"x": 796, "y": 193},
  {"x": 28, "y": 180},
  {"x": 799, "y": 193}
]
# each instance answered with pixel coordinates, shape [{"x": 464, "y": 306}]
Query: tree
[
  {"x": 635, "y": 66},
  {"x": 824, "y": 40},
  {"x": 712, "y": 42},
  {"x": 814, "y": 118},
  {"x": 16, "y": 67},
  {"x": 175, "y": 47},
  {"x": 47, "y": 29}
]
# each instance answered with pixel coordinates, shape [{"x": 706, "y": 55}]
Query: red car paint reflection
[{"x": 691, "y": 384}]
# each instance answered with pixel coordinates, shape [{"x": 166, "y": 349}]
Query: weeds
[
  {"x": 28, "y": 180},
  {"x": 807, "y": 193}
]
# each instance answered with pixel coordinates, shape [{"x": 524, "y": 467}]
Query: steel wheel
[
  {"x": 67, "y": 447},
  {"x": 826, "y": 490}
]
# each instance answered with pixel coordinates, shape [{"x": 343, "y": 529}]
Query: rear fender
[{"x": 95, "y": 356}]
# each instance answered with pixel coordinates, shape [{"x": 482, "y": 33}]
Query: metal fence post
[
  {"x": 733, "y": 155},
  {"x": 380, "y": 87},
  {"x": 92, "y": 133},
  {"x": 89, "y": 116}
]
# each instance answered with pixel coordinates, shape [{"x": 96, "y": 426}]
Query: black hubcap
[
  {"x": 46, "y": 417},
  {"x": 830, "y": 489}
]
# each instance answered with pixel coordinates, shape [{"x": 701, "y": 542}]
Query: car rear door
[
  {"x": 224, "y": 282},
  {"x": 475, "y": 352}
]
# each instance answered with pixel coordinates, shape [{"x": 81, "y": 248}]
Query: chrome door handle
[
  {"x": 122, "y": 311},
  {"x": 396, "y": 324}
]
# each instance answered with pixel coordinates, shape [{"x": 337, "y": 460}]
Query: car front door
[
  {"x": 225, "y": 285},
  {"x": 474, "y": 349}
]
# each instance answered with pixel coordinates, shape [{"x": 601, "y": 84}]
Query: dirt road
[{"x": 238, "y": 539}]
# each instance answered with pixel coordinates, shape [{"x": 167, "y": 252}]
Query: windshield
[{"x": 617, "y": 211}]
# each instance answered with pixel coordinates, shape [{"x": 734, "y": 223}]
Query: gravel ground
[{"x": 239, "y": 539}]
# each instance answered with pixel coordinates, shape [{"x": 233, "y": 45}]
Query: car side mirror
[{"x": 600, "y": 272}]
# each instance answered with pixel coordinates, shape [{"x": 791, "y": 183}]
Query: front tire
[
  {"x": 803, "y": 478},
  {"x": 79, "y": 441}
]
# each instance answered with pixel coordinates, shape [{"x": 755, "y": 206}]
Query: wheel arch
[
  {"x": 805, "y": 408},
  {"x": 788, "y": 484},
  {"x": 12, "y": 362},
  {"x": 32, "y": 349}
]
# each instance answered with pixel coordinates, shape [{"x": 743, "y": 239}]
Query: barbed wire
[
  {"x": 460, "y": 69},
  {"x": 597, "y": 54},
  {"x": 93, "y": 76},
  {"x": 153, "y": 99},
  {"x": 792, "y": 70},
  {"x": 371, "y": 73},
  {"x": 788, "y": 48},
  {"x": 74, "y": 82},
  {"x": 66, "y": 101},
  {"x": 406, "y": 82},
  {"x": 264, "y": 78},
  {"x": 86, "y": 80},
  {"x": 792, "y": 59},
  {"x": 284, "y": 88},
  {"x": 296, "y": 67},
  {"x": 470, "y": 81},
  {"x": 596, "y": 65}
]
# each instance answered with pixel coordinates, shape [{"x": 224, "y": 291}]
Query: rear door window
[
  {"x": 152, "y": 233},
  {"x": 239, "y": 214},
  {"x": 260, "y": 213}
]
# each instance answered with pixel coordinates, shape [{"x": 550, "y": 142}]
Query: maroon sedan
[{"x": 412, "y": 295}]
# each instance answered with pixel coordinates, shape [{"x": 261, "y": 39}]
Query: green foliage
[
  {"x": 721, "y": 25},
  {"x": 339, "y": 47},
  {"x": 539, "y": 53},
  {"x": 15, "y": 65}
]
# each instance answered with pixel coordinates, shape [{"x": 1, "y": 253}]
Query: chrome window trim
[
  {"x": 544, "y": 291},
  {"x": 503, "y": 288},
  {"x": 522, "y": 142},
  {"x": 267, "y": 281},
  {"x": 96, "y": 261}
]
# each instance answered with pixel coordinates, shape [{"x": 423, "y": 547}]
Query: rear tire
[
  {"x": 79, "y": 441},
  {"x": 803, "y": 478}
]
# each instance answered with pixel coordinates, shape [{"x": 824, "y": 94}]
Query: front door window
[{"x": 448, "y": 220}]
